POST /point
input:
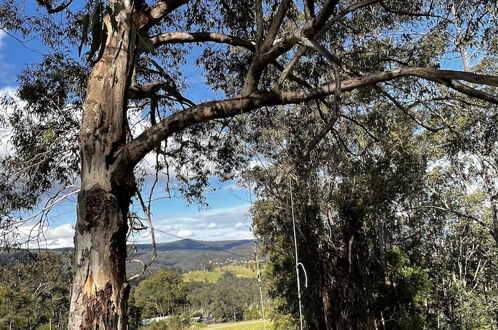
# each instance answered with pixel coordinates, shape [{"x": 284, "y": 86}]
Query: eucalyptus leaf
[{"x": 84, "y": 36}]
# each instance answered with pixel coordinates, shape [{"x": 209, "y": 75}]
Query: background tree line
[
  {"x": 34, "y": 294},
  {"x": 396, "y": 227}
]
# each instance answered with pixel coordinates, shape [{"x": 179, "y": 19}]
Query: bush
[{"x": 252, "y": 312}]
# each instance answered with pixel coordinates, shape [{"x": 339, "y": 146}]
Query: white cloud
[
  {"x": 33, "y": 237},
  {"x": 219, "y": 224},
  {"x": 59, "y": 237},
  {"x": 5, "y": 111},
  {"x": 2, "y": 37},
  {"x": 63, "y": 231},
  {"x": 185, "y": 233},
  {"x": 6, "y": 73}
]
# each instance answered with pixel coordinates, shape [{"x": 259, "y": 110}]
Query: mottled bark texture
[{"x": 100, "y": 289}]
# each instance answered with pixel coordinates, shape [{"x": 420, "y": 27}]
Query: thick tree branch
[
  {"x": 275, "y": 25},
  {"x": 312, "y": 26},
  {"x": 259, "y": 63},
  {"x": 472, "y": 92},
  {"x": 189, "y": 37},
  {"x": 157, "y": 12},
  {"x": 309, "y": 9},
  {"x": 259, "y": 21},
  {"x": 271, "y": 50},
  {"x": 140, "y": 146}
]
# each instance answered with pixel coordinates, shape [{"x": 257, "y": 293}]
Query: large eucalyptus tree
[{"x": 260, "y": 54}]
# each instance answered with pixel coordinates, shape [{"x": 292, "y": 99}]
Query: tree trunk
[
  {"x": 100, "y": 289},
  {"x": 494, "y": 214},
  {"x": 327, "y": 306}
]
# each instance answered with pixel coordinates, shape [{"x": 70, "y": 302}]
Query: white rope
[{"x": 297, "y": 259}]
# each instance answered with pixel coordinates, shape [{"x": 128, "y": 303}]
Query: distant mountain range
[
  {"x": 183, "y": 255},
  {"x": 190, "y": 255},
  {"x": 188, "y": 244}
]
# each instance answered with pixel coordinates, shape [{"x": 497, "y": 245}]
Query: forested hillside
[{"x": 34, "y": 290}]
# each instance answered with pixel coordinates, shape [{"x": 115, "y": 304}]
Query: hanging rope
[
  {"x": 301, "y": 319},
  {"x": 261, "y": 292}
]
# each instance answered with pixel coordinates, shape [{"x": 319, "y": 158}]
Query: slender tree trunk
[
  {"x": 327, "y": 306},
  {"x": 100, "y": 290},
  {"x": 494, "y": 213}
]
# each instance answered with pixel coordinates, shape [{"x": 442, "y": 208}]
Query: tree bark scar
[
  {"x": 100, "y": 309},
  {"x": 101, "y": 126},
  {"x": 94, "y": 208},
  {"x": 111, "y": 157}
]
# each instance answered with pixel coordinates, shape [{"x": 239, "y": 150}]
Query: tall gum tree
[{"x": 280, "y": 42}]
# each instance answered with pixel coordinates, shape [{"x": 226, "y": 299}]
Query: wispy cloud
[
  {"x": 6, "y": 72},
  {"x": 220, "y": 224}
]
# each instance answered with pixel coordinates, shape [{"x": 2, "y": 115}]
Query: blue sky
[{"x": 224, "y": 219}]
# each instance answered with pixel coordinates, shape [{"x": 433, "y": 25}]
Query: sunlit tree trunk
[{"x": 100, "y": 288}]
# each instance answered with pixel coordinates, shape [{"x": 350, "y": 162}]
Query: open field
[
  {"x": 245, "y": 325},
  {"x": 214, "y": 276}
]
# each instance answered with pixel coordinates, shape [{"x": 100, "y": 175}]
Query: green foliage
[
  {"x": 165, "y": 293},
  {"x": 252, "y": 312},
  {"x": 280, "y": 320},
  {"x": 406, "y": 293},
  {"x": 162, "y": 294},
  {"x": 227, "y": 299},
  {"x": 34, "y": 291}
]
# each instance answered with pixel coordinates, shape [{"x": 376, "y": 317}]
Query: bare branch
[
  {"x": 259, "y": 62},
  {"x": 345, "y": 12},
  {"x": 464, "y": 89},
  {"x": 146, "y": 211},
  {"x": 312, "y": 26},
  {"x": 270, "y": 54},
  {"x": 287, "y": 70},
  {"x": 151, "y": 90},
  {"x": 51, "y": 9}
]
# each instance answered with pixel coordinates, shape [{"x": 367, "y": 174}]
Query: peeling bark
[{"x": 100, "y": 290}]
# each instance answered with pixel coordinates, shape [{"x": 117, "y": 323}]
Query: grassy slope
[
  {"x": 245, "y": 325},
  {"x": 214, "y": 276}
]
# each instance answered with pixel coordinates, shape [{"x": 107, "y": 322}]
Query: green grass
[
  {"x": 244, "y": 325},
  {"x": 214, "y": 276}
]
